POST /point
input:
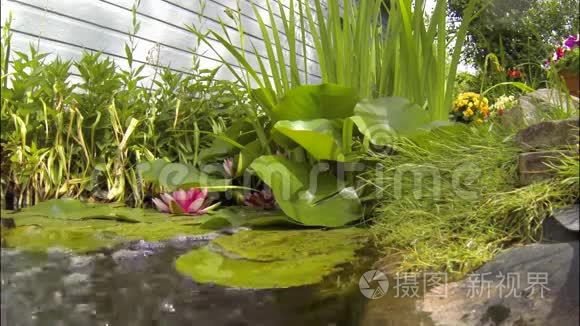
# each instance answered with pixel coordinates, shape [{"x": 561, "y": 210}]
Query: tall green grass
[
  {"x": 411, "y": 56},
  {"x": 468, "y": 207}
]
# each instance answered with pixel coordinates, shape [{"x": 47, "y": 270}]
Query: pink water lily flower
[{"x": 192, "y": 202}]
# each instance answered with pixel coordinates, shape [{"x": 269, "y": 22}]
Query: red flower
[
  {"x": 514, "y": 73},
  {"x": 559, "y": 53}
]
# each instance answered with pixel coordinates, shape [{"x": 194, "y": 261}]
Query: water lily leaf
[
  {"x": 308, "y": 102},
  {"x": 287, "y": 258},
  {"x": 322, "y": 138},
  {"x": 383, "y": 118},
  {"x": 243, "y": 216},
  {"x": 176, "y": 175},
  {"x": 70, "y": 209},
  {"x": 312, "y": 202}
]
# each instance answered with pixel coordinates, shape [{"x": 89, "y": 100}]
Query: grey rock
[
  {"x": 553, "y": 232},
  {"x": 549, "y": 134},
  {"x": 81, "y": 262},
  {"x": 125, "y": 254},
  {"x": 546, "y": 292},
  {"x": 533, "y": 106},
  {"x": 535, "y": 166},
  {"x": 569, "y": 217},
  {"x": 75, "y": 279}
]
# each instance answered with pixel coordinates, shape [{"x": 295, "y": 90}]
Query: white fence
[{"x": 68, "y": 27}]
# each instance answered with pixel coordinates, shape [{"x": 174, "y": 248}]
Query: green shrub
[{"x": 78, "y": 139}]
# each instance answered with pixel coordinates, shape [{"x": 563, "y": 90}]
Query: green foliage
[
  {"x": 76, "y": 139},
  {"x": 408, "y": 57},
  {"x": 449, "y": 200},
  {"x": 521, "y": 32},
  {"x": 272, "y": 259},
  {"x": 309, "y": 200}
]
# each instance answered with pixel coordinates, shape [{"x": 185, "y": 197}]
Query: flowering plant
[
  {"x": 470, "y": 107},
  {"x": 192, "y": 202},
  {"x": 263, "y": 199},
  {"x": 567, "y": 56},
  {"x": 502, "y": 104}
]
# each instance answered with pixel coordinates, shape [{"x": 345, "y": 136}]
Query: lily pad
[
  {"x": 243, "y": 216},
  {"x": 273, "y": 259}
]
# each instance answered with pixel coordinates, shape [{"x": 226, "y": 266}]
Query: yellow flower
[
  {"x": 467, "y": 113},
  {"x": 479, "y": 121}
]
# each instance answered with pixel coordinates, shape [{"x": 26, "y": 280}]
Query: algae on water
[
  {"x": 84, "y": 227},
  {"x": 273, "y": 259}
]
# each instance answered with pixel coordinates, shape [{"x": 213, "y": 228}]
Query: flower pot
[{"x": 572, "y": 81}]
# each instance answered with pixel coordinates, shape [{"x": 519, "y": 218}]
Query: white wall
[{"x": 68, "y": 27}]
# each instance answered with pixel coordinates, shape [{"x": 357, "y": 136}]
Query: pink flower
[
  {"x": 261, "y": 199},
  {"x": 192, "y": 202},
  {"x": 229, "y": 167},
  {"x": 572, "y": 41}
]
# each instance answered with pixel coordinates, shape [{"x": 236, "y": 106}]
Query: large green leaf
[
  {"x": 307, "y": 196},
  {"x": 325, "y": 101},
  {"x": 175, "y": 175},
  {"x": 381, "y": 119},
  {"x": 322, "y": 138}
]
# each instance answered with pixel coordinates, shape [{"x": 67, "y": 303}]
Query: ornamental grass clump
[{"x": 449, "y": 201}]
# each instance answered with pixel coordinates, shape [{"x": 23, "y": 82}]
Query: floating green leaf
[{"x": 243, "y": 216}]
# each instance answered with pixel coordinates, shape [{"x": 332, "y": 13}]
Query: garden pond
[{"x": 71, "y": 263}]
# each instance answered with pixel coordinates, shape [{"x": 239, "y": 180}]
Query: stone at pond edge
[
  {"x": 554, "y": 266},
  {"x": 549, "y": 134},
  {"x": 272, "y": 259},
  {"x": 535, "y": 166},
  {"x": 569, "y": 217},
  {"x": 532, "y": 106}
]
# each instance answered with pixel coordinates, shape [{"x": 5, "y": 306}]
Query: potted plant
[{"x": 566, "y": 61}]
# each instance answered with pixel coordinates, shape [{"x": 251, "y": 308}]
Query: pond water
[{"x": 138, "y": 285}]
